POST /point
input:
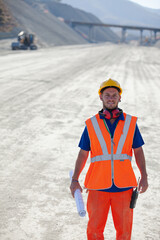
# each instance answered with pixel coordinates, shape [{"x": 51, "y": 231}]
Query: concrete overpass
[{"x": 124, "y": 28}]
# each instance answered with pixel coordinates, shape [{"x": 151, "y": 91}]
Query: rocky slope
[
  {"x": 44, "y": 19},
  {"x": 7, "y": 21}
]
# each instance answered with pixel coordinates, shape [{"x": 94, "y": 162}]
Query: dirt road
[{"x": 45, "y": 97}]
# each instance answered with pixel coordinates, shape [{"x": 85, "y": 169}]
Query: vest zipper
[
  {"x": 112, "y": 143},
  {"x": 112, "y": 165}
]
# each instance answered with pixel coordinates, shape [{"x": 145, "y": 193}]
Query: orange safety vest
[{"x": 110, "y": 157}]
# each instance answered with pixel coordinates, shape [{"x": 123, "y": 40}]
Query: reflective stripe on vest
[{"x": 118, "y": 155}]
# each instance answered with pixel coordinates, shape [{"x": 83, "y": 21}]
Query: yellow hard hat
[{"x": 110, "y": 83}]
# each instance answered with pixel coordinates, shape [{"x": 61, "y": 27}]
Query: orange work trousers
[{"x": 98, "y": 205}]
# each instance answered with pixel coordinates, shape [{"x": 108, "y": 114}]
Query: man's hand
[
  {"x": 80, "y": 163},
  {"x": 143, "y": 185},
  {"x": 141, "y": 163},
  {"x": 74, "y": 185}
]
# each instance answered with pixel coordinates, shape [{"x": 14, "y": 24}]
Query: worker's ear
[
  {"x": 119, "y": 98},
  {"x": 100, "y": 96}
]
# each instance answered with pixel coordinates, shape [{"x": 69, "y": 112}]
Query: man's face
[{"x": 110, "y": 98}]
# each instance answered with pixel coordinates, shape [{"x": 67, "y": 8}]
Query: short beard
[{"x": 112, "y": 108}]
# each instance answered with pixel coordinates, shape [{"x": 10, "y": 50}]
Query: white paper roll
[{"x": 78, "y": 199}]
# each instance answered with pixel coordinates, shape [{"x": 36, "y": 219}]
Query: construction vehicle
[{"x": 25, "y": 42}]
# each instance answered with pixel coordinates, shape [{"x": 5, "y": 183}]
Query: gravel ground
[{"x": 45, "y": 97}]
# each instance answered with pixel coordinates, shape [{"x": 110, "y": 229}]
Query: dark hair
[{"x": 110, "y": 87}]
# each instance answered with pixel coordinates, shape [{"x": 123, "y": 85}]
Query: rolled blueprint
[{"x": 78, "y": 199}]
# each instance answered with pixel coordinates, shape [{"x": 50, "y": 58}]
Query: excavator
[{"x": 25, "y": 42}]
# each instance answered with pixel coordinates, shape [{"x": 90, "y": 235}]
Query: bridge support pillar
[
  {"x": 151, "y": 37},
  {"x": 91, "y": 33},
  {"x": 123, "y": 38},
  {"x": 141, "y": 36},
  {"x": 155, "y": 35}
]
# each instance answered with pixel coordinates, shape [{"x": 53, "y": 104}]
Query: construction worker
[{"x": 110, "y": 136}]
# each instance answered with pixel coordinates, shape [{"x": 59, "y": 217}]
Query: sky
[{"x": 148, "y": 3}]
